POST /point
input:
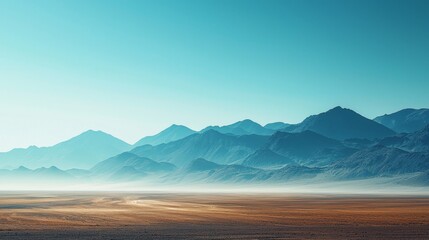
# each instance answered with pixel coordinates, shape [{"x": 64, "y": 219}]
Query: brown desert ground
[{"x": 67, "y": 215}]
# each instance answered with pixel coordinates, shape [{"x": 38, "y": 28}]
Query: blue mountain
[
  {"x": 414, "y": 142},
  {"x": 341, "y": 123},
  {"x": 202, "y": 171},
  {"x": 128, "y": 162},
  {"x": 172, "y": 133},
  {"x": 82, "y": 151},
  {"x": 406, "y": 120},
  {"x": 245, "y": 127},
  {"x": 43, "y": 176},
  {"x": 379, "y": 161},
  {"x": 307, "y": 148},
  {"x": 266, "y": 158},
  {"x": 211, "y": 145},
  {"x": 276, "y": 125}
]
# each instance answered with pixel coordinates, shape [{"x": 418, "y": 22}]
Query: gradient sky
[{"x": 132, "y": 68}]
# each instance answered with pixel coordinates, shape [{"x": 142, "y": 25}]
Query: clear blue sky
[{"x": 131, "y": 68}]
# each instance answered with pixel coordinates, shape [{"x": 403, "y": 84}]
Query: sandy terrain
[{"x": 211, "y": 216}]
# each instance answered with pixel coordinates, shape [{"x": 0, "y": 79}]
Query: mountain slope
[
  {"x": 340, "y": 123},
  {"x": 201, "y": 171},
  {"x": 276, "y": 125},
  {"x": 211, "y": 145},
  {"x": 380, "y": 161},
  {"x": 82, "y": 151},
  {"x": 414, "y": 142},
  {"x": 40, "y": 177},
  {"x": 406, "y": 120},
  {"x": 172, "y": 133},
  {"x": 135, "y": 163},
  {"x": 307, "y": 148},
  {"x": 245, "y": 127},
  {"x": 265, "y": 158},
  {"x": 200, "y": 164}
]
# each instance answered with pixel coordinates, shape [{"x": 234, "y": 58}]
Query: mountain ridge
[
  {"x": 81, "y": 151},
  {"x": 406, "y": 120},
  {"x": 170, "y": 134},
  {"x": 342, "y": 123},
  {"x": 243, "y": 127}
]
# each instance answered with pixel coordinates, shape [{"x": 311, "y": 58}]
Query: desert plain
[{"x": 151, "y": 215}]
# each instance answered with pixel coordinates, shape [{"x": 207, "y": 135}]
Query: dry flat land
[{"x": 211, "y": 216}]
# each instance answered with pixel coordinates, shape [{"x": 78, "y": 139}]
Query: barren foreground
[{"x": 211, "y": 216}]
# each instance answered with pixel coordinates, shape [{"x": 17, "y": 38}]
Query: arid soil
[{"x": 211, "y": 216}]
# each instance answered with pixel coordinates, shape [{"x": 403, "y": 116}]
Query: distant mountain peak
[
  {"x": 22, "y": 168},
  {"x": 93, "y": 134},
  {"x": 342, "y": 123},
  {"x": 173, "y": 126},
  {"x": 211, "y": 132},
  {"x": 337, "y": 108},
  {"x": 173, "y": 133},
  {"x": 340, "y": 110},
  {"x": 243, "y": 127},
  {"x": 406, "y": 120},
  {"x": 247, "y": 121},
  {"x": 91, "y": 131},
  {"x": 276, "y": 125},
  {"x": 81, "y": 151}
]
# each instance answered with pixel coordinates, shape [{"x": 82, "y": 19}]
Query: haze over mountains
[
  {"x": 129, "y": 166},
  {"x": 82, "y": 151},
  {"x": 337, "y": 145},
  {"x": 172, "y": 133}
]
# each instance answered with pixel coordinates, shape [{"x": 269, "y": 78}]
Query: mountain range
[
  {"x": 211, "y": 145},
  {"x": 380, "y": 161},
  {"x": 129, "y": 166},
  {"x": 336, "y": 145},
  {"x": 307, "y": 148}
]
